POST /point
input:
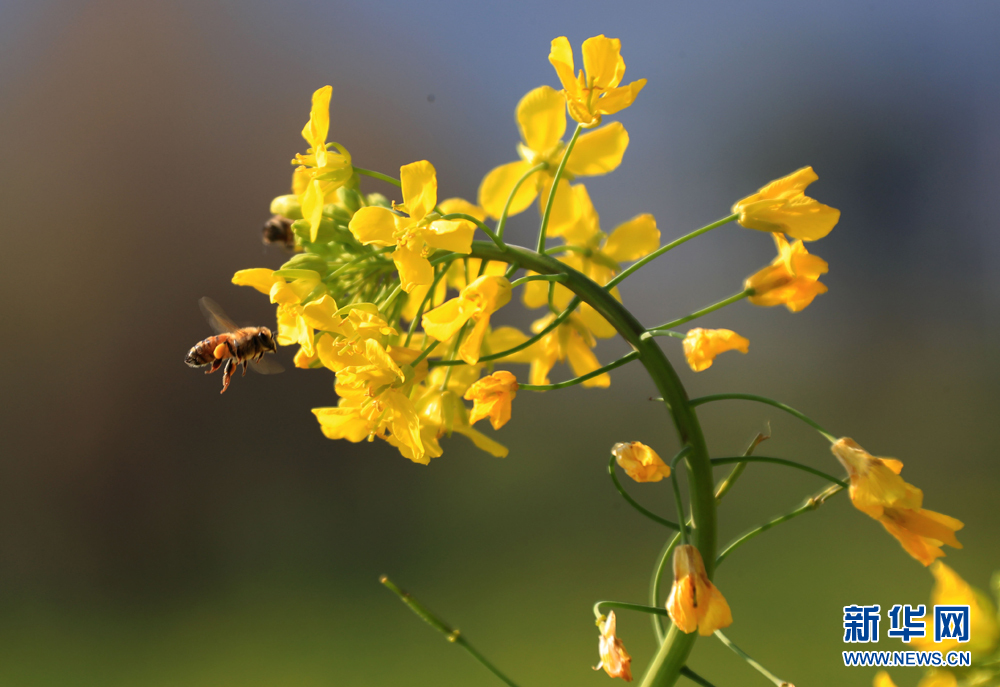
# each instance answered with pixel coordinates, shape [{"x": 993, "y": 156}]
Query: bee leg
[
  {"x": 227, "y": 375},
  {"x": 216, "y": 364},
  {"x": 245, "y": 363}
]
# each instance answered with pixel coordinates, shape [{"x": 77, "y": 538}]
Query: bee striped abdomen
[{"x": 208, "y": 351}]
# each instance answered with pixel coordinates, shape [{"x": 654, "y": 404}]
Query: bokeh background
[{"x": 153, "y": 533}]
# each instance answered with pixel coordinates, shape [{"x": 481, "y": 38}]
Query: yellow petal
[
  {"x": 504, "y": 338},
  {"x": 496, "y": 187},
  {"x": 374, "y": 225},
  {"x": 882, "y": 679},
  {"x": 541, "y": 117},
  {"x": 583, "y": 361},
  {"x": 419, "y": 181},
  {"x": 320, "y": 314},
  {"x": 596, "y": 323},
  {"x": 536, "y": 294},
  {"x": 472, "y": 345},
  {"x": 635, "y": 239},
  {"x": 312, "y": 207},
  {"x": 318, "y": 125},
  {"x": 618, "y": 99},
  {"x": 483, "y": 442},
  {"x": 260, "y": 278},
  {"x": 444, "y": 321},
  {"x": 342, "y": 423},
  {"x": 450, "y": 235},
  {"x": 561, "y": 58},
  {"x": 599, "y": 151},
  {"x": 603, "y": 62},
  {"x": 564, "y": 207},
  {"x": 702, "y": 345},
  {"x": 414, "y": 269}
]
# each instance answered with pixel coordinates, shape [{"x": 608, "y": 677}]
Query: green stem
[
  {"x": 390, "y": 298},
  {"x": 812, "y": 503},
  {"x": 537, "y": 277},
  {"x": 424, "y": 353},
  {"x": 486, "y": 230},
  {"x": 666, "y": 332},
  {"x": 695, "y": 677},
  {"x": 502, "y": 222},
  {"x": 769, "y": 401},
  {"x": 378, "y": 175},
  {"x": 635, "y": 504},
  {"x": 627, "y": 358},
  {"x": 779, "y": 461},
  {"x": 742, "y": 654},
  {"x": 704, "y": 311},
  {"x": 452, "y": 634},
  {"x": 730, "y": 481},
  {"x": 663, "y": 249},
  {"x": 622, "y": 606},
  {"x": 555, "y": 187},
  {"x": 586, "y": 252},
  {"x": 677, "y": 492},
  {"x": 454, "y": 354},
  {"x": 423, "y": 304},
  {"x": 524, "y": 344},
  {"x": 672, "y": 654}
]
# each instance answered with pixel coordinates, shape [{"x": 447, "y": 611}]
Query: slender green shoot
[
  {"x": 704, "y": 311},
  {"x": 742, "y": 654},
  {"x": 627, "y": 358},
  {"x": 768, "y": 401},
  {"x": 555, "y": 187},
  {"x": 625, "y": 274},
  {"x": 635, "y": 504},
  {"x": 486, "y": 230},
  {"x": 450, "y": 633},
  {"x": 677, "y": 492},
  {"x": 378, "y": 175},
  {"x": 779, "y": 461},
  {"x": 538, "y": 277},
  {"x": 502, "y": 222}
]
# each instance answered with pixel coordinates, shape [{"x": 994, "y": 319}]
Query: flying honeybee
[
  {"x": 278, "y": 230},
  {"x": 232, "y": 346}
]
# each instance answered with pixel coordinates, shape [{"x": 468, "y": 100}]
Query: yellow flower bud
[
  {"x": 702, "y": 345},
  {"x": 783, "y": 207},
  {"x": 694, "y": 602},
  {"x": 792, "y": 278},
  {"x": 614, "y": 659},
  {"x": 640, "y": 462}
]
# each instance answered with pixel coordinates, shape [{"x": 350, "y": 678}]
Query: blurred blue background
[{"x": 153, "y": 533}]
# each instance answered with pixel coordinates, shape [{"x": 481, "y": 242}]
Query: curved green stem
[
  {"x": 812, "y": 503},
  {"x": 622, "y": 606},
  {"x": 486, "y": 230},
  {"x": 452, "y": 634},
  {"x": 672, "y": 654},
  {"x": 663, "y": 249},
  {"x": 779, "y": 461},
  {"x": 537, "y": 277},
  {"x": 677, "y": 492},
  {"x": 627, "y": 358},
  {"x": 502, "y": 222},
  {"x": 424, "y": 353},
  {"x": 555, "y": 187},
  {"x": 524, "y": 344},
  {"x": 758, "y": 667},
  {"x": 700, "y": 313},
  {"x": 768, "y": 401},
  {"x": 378, "y": 175},
  {"x": 635, "y": 504},
  {"x": 695, "y": 677}
]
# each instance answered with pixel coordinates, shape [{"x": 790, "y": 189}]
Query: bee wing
[
  {"x": 266, "y": 366},
  {"x": 216, "y": 317}
]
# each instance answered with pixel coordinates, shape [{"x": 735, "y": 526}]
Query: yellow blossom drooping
[
  {"x": 320, "y": 172},
  {"x": 951, "y": 590},
  {"x": 702, "y": 345},
  {"x": 782, "y": 207},
  {"x": 614, "y": 659},
  {"x": 571, "y": 341},
  {"x": 792, "y": 278},
  {"x": 279, "y": 289},
  {"x": 492, "y": 397},
  {"x": 694, "y": 602},
  {"x": 640, "y": 462},
  {"x": 541, "y": 119},
  {"x": 476, "y": 303},
  {"x": 597, "y": 255},
  {"x": 595, "y": 91},
  {"x": 441, "y": 411},
  {"x": 416, "y": 235},
  {"x": 878, "y": 491}
]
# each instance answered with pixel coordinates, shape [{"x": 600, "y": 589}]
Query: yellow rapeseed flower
[
  {"x": 614, "y": 659},
  {"x": 416, "y": 235},
  {"x": 442, "y": 412},
  {"x": 694, "y": 602},
  {"x": 321, "y": 172},
  {"x": 571, "y": 341},
  {"x": 792, "y": 278},
  {"x": 702, "y": 345},
  {"x": 597, "y": 255},
  {"x": 278, "y": 288},
  {"x": 541, "y": 119},
  {"x": 595, "y": 91},
  {"x": 492, "y": 397},
  {"x": 878, "y": 491},
  {"x": 950, "y": 589},
  {"x": 476, "y": 303},
  {"x": 783, "y": 207},
  {"x": 640, "y": 462}
]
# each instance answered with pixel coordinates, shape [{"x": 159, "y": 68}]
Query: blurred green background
[{"x": 153, "y": 533}]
